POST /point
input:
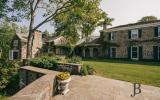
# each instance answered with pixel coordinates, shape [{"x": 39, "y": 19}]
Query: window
[
  {"x": 134, "y": 34},
  {"x": 134, "y": 53},
  {"x": 15, "y": 43},
  {"x": 113, "y": 35},
  {"x": 158, "y": 31},
  {"x": 14, "y": 54},
  {"x": 113, "y": 52}
]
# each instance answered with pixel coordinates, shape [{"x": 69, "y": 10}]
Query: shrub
[
  {"x": 8, "y": 70},
  {"x": 87, "y": 70},
  {"x": 74, "y": 59},
  {"x": 44, "y": 62}
]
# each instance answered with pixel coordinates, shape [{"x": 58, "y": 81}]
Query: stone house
[
  {"x": 56, "y": 45},
  {"x": 19, "y": 45},
  {"x": 135, "y": 41}
]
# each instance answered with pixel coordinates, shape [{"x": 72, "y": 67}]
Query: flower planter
[{"x": 63, "y": 86}]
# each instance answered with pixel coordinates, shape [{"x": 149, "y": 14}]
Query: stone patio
[{"x": 99, "y": 88}]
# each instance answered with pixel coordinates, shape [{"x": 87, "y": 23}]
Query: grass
[{"x": 147, "y": 73}]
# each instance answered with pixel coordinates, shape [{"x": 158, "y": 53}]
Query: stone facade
[
  {"x": 121, "y": 38},
  {"x": 19, "y": 45}
]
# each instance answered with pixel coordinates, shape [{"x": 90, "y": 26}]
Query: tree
[
  {"x": 7, "y": 31},
  {"x": 45, "y": 34},
  {"x": 27, "y": 9},
  {"x": 3, "y": 8},
  {"x": 148, "y": 18},
  {"x": 80, "y": 20}
]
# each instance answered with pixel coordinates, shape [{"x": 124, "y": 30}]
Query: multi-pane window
[
  {"x": 134, "y": 34},
  {"x": 113, "y": 35},
  {"x": 15, "y": 43},
  {"x": 158, "y": 31},
  {"x": 134, "y": 52}
]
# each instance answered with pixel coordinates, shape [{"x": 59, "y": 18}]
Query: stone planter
[{"x": 63, "y": 86}]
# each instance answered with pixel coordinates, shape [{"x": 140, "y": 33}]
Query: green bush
[
  {"x": 74, "y": 59},
  {"x": 87, "y": 70},
  {"x": 8, "y": 70},
  {"x": 44, "y": 62}
]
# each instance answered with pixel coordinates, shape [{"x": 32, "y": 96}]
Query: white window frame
[
  {"x": 15, "y": 43},
  {"x": 159, "y": 31},
  {"x": 137, "y": 53},
  {"x": 113, "y": 35},
  {"x": 135, "y": 31},
  {"x": 11, "y": 54},
  {"x": 111, "y": 52}
]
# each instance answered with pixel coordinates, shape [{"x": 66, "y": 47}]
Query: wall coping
[
  {"x": 69, "y": 64},
  {"x": 34, "y": 90}
]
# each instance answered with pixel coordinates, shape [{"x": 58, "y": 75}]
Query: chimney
[{"x": 37, "y": 42}]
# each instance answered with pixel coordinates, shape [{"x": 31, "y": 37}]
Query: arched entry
[
  {"x": 95, "y": 52},
  {"x": 87, "y": 52}
]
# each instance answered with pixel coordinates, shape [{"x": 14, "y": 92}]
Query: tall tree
[
  {"x": 148, "y": 18},
  {"x": 80, "y": 20},
  {"x": 27, "y": 9}
]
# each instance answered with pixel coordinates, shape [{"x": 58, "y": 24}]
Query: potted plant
[{"x": 63, "y": 80}]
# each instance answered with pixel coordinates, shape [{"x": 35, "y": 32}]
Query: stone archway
[
  {"x": 87, "y": 52},
  {"x": 95, "y": 52}
]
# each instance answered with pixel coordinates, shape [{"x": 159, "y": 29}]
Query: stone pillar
[{"x": 91, "y": 52}]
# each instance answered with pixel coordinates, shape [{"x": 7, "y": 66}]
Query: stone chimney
[{"x": 37, "y": 43}]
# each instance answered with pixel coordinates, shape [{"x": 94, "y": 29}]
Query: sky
[{"x": 123, "y": 12}]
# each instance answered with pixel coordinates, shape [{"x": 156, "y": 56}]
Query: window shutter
[
  {"x": 129, "y": 34},
  {"x": 129, "y": 52},
  {"x": 109, "y": 51},
  {"x": 140, "y": 53},
  {"x": 140, "y": 33},
  {"x": 10, "y": 55},
  {"x": 109, "y": 36},
  {"x": 155, "y": 52},
  {"x": 156, "y": 32}
]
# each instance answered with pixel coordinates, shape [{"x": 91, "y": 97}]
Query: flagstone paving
[{"x": 99, "y": 88}]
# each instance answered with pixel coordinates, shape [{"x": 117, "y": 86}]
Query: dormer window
[
  {"x": 134, "y": 34},
  {"x": 15, "y": 43}
]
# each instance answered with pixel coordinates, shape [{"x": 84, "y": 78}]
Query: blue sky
[{"x": 123, "y": 11}]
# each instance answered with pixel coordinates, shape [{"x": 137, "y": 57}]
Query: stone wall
[
  {"x": 72, "y": 68},
  {"x": 37, "y": 84}
]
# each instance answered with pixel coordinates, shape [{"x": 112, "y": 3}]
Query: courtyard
[{"x": 99, "y": 88}]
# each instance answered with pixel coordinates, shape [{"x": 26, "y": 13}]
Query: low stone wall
[
  {"x": 72, "y": 68},
  {"x": 38, "y": 84}
]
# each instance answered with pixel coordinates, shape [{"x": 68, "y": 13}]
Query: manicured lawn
[{"x": 133, "y": 71}]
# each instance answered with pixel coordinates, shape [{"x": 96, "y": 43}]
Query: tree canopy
[
  {"x": 81, "y": 20},
  {"x": 148, "y": 18}
]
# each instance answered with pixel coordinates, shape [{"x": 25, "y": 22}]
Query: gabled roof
[
  {"x": 92, "y": 40},
  {"x": 22, "y": 37},
  {"x": 133, "y": 26}
]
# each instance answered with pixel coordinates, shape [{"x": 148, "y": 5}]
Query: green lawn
[{"x": 133, "y": 71}]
